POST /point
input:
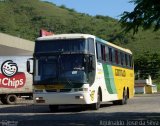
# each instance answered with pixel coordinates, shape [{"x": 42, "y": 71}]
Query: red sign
[
  {"x": 17, "y": 81},
  {"x": 10, "y": 77},
  {"x": 45, "y": 33}
]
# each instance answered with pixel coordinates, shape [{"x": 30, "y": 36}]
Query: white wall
[{"x": 140, "y": 90}]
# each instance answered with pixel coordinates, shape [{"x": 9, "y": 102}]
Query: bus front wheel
[{"x": 96, "y": 105}]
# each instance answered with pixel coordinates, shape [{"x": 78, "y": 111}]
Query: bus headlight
[
  {"x": 39, "y": 100},
  {"x": 79, "y": 97}
]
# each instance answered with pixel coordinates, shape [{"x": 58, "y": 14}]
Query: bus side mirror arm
[{"x": 28, "y": 65}]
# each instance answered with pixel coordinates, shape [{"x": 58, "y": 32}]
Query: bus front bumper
[{"x": 62, "y": 98}]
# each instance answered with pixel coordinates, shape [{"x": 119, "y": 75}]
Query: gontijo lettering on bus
[{"x": 119, "y": 72}]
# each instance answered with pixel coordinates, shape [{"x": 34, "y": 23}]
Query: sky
[{"x": 112, "y": 8}]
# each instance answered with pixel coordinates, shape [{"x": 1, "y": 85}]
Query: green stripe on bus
[
  {"x": 109, "y": 79},
  {"x": 101, "y": 40}
]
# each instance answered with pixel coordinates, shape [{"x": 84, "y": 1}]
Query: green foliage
[
  {"x": 158, "y": 87},
  {"x": 64, "y": 7},
  {"x": 145, "y": 14},
  {"x": 148, "y": 64},
  {"x": 24, "y": 18}
]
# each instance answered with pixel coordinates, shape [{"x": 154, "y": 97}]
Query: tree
[
  {"x": 146, "y": 14},
  {"x": 148, "y": 64}
]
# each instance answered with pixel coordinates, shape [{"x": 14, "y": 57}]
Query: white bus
[{"x": 80, "y": 69}]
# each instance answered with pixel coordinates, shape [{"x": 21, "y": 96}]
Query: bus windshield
[
  {"x": 66, "y": 60},
  {"x": 62, "y": 68}
]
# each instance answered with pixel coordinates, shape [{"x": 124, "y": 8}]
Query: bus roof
[
  {"x": 78, "y": 35},
  {"x": 65, "y": 36},
  {"x": 113, "y": 45}
]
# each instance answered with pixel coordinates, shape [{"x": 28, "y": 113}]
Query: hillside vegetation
[{"x": 24, "y": 18}]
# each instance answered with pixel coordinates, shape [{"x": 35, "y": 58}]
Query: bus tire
[
  {"x": 96, "y": 105},
  {"x": 53, "y": 108},
  {"x": 123, "y": 101},
  {"x": 11, "y": 99}
]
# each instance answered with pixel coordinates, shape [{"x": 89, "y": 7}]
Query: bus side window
[
  {"x": 91, "y": 46},
  {"x": 130, "y": 61},
  {"x": 103, "y": 53},
  {"x": 126, "y": 59},
  {"x": 110, "y": 55},
  {"x": 119, "y": 57},
  {"x": 122, "y": 58},
  {"x": 98, "y": 48},
  {"x": 113, "y": 56},
  {"x": 107, "y": 53},
  {"x": 116, "y": 57}
]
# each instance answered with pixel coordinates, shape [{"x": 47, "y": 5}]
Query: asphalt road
[{"x": 141, "y": 110}]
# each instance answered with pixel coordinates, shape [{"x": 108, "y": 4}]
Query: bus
[{"x": 80, "y": 69}]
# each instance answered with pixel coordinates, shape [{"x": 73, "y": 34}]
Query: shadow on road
[
  {"x": 72, "y": 116},
  {"x": 82, "y": 119},
  {"x": 30, "y": 108}
]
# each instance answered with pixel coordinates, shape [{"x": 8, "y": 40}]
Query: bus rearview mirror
[{"x": 28, "y": 65}]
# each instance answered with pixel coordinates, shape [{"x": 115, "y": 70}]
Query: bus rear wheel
[
  {"x": 125, "y": 98},
  {"x": 123, "y": 101}
]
